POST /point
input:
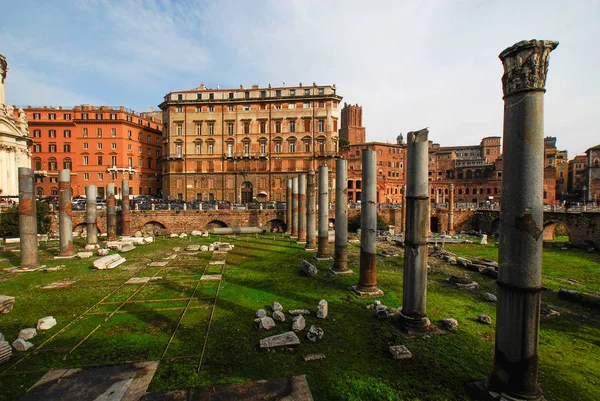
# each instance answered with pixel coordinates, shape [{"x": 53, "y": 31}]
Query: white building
[{"x": 14, "y": 141}]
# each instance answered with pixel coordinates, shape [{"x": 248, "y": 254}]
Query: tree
[
  {"x": 9, "y": 220},
  {"x": 354, "y": 223}
]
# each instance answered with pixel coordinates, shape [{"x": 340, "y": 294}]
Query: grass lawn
[{"x": 102, "y": 320}]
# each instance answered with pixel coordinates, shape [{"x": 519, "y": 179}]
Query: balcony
[
  {"x": 42, "y": 173},
  {"x": 326, "y": 155},
  {"x": 172, "y": 156},
  {"x": 124, "y": 170}
]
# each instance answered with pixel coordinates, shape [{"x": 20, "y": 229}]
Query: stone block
[
  {"x": 46, "y": 323},
  {"x": 315, "y": 334},
  {"x": 308, "y": 269},
  {"x": 108, "y": 262},
  {"x": 127, "y": 248},
  {"x": 103, "y": 252},
  {"x": 287, "y": 339},
  {"x": 322, "y": 309},
  {"x": 264, "y": 323},
  {"x": 6, "y": 304},
  {"x": 298, "y": 323},
  {"x": 400, "y": 352},
  {"x": 27, "y": 334},
  {"x": 85, "y": 255},
  {"x": 21, "y": 345}
]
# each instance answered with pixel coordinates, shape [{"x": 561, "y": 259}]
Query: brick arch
[
  {"x": 153, "y": 226},
  {"x": 82, "y": 227},
  {"x": 216, "y": 223},
  {"x": 276, "y": 225},
  {"x": 550, "y": 229}
]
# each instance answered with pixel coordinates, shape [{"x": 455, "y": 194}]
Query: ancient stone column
[
  {"x": 65, "y": 214},
  {"x": 367, "y": 282},
  {"x": 125, "y": 208},
  {"x": 403, "y": 216},
  {"x": 295, "y": 207},
  {"x": 413, "y": 315},
  {"x": 323, "y": 234},
  {"x": 27, "y": 220},
  {"x": 302, "y": 209},
  {"x": 519, "y": 280},
  {"x": 90, "y": 216},
  {"x": 311, "y": 216},
  {"x": 340, "y": 255},
  {"x": 111, "y": 213},
  {"x": 451, "y": 209},
  {"x": 288, "y": 206}
]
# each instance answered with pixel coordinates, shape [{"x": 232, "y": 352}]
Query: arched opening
[
  {"x": 478, "y": 173},
  {"x": 495, "y": 227},
  {"x": 54, "y": 191},
  {"x": 434, "y": 225},
  {"x": 557, "y": 232},
  {"x": 331, "y": 224},
  {"x": 215, "y": 224},
  {"x": 276, "y": 226},
  {"x": 81, "y": 230},
  {"x": 247, "y": 195},
  {"x": 39, "y": 192},
  {"x": 469, "y": 174},
  {"x": 153, "y": 228}
]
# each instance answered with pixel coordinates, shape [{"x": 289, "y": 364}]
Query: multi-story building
[
  {"x": 557, "y": 159},
  {"x": 592, "y": 193},
  {"x": 577, "y": 177},
  {"x": 242, "y": 144},
  {"x": 100, "y": 145}
]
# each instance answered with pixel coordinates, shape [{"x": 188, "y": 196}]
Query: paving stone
[
  {"x": 286, "y": 339},
  {"x": 192, "y": 248},
  {"x": 158, "y": 264},
  {"x": 216, "y": 262},
  {"x": 400, "y": 352}
]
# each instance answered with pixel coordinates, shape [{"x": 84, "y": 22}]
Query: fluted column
[
  {"x": 90, "y": 216},
  {"x": 311, "y": 216},
  {"x": 65, "y": 214},
  {"x": 111, "y": 213},
  {"x": 323, "y": 234},
  {"x": 27, "y": 220},
  {"x": 302, "y": 209},
  {"x": 125, "y": 208},
  {"x": 288, "y": 206},
  {"x": 295, "y": 207},
  {"x": 340, "y": 255}
]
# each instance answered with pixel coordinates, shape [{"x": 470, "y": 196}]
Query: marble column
[
  {"x": 451, "y": 209},
  {"x": 288, "y": 206},
  {"x": 302, "y": 209},
  {"x": 90, "y": 216},
  {"x": 413, "y": 315},
  {"x": 295, "y": 207},
  {"x": 323, "y": 234},
  {"x": 311, "y": 216},
  {"x": 367, "y": 282},
  {"x": 65, "y": 214},
  {"x": 403, "y": 216},
  {"x": 519, "y": 283},
  {"x": 340, "y": 255},
  {"x": 27, "y": 220},
  {"x": 125, "y": 208},
  {"x": 111, "y": 213}
]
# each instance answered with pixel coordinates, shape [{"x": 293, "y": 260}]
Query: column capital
[{"x": 525, "y": 65}]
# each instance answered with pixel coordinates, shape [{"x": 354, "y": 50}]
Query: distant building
[
  {"x": 577, "y": 176},
  {"x": 557, "y": 159},
  {"x": 241, "y": 145},
  {"x": 593, "y": 174},
  {"x": 100, "y": 145},
  {"x": 14, "y": 141}
]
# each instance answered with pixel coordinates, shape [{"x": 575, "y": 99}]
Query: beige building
[
  {"x": 14, "y": 140},
  {"x": 242, "y": 144}
]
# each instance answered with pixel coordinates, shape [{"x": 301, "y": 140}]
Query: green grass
[{"x": 259, "y": 271}]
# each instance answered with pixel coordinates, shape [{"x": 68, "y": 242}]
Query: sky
[{"x": 409, "y": 64}]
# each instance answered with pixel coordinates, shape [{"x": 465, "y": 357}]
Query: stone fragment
[
  {"x": 462, "y": 262},
  {"x": 383, "y": 314},
  {"x": 449, "y": 324},
  {"x": 211, "y": 277},
  {"x": 490, "y": 297},
  {"x": 46, "y": 323},
  {"x": 127, "y": 248},
  {"x": 108, "y": 262},
  {"x": 264, "y": 323},
  {"x": 278, "y": 316},
  {"x": 298, "y": 323},
  {"x": 115, "y": 245},
  {"x": 276, "y": 306},
  {"x": 485, "y": 319},
  {"x": 483, "y": 240},
  {"x": 315, "y": 334},
  {"x": 463, "y": 283},
  {"x": 5, "y": 350},
  {"x": 295, "y": 312},
  {"x": 204, "y": 248},
  {"x": 158, "y": 264},
  {"x": 27, "y": 334},
  {"x": 379, "y": 308},
  {"x": 490, "y": 272},
  {"x": 192, "y": 248},
  {"x": 21, "y": 345},
  {"x": 261, "y": 313},
  {"x": 138, "y": 234},
  {"x": 183, "y": 235},
  {"x": 322, "y": 309},
  {"x": 286, "y": 339},
  {"x": 173, "y": 235},
  {"x": 400, "y": 352},
  {"x": 58, "y": 284},
  {"x": 85, "y": 255},
  {"x": 313, "y": 357},
  {"x": 196, "y": 233},
  {"x": 6, "y": 304},
  {"x": 148, "y": 240},
  {"x": 103, "y": 252},
  {"x": 308, "y": 269}
]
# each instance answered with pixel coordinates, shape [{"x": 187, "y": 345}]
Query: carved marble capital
[{"x": 526, "y": 65}]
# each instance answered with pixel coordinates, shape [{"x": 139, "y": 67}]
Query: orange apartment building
[
  {"x": 100, "y": 145},
  {"x": 241, "y": 145}
]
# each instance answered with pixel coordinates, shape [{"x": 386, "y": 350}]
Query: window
[
  {"x": 246, "y": 127},
  {"x": 230, "y": 95},
  {"x": 322, "y": 146},
  {"x": 246, "y": 148},
  {"x": 52, "y": 164},
  {"x": 129, "y": 162},
  {"x": 67, "y": 147},
  {"x": 86, "y": 176},
  {"x": 158, "y": 153},
  {"x": 179, "y": 96},
  {"x": 179, "y": 129},
  {"x": 139, "y": 136},
  {"x": 247, "y": 95},
  {"x": 321, "y": 105},
  {"x": 277, "y": 107},
  {"x": 263, "y": 147},
  {"x": 98, "y": 116},
  {"x": 198, "y": 129},
  {"x": 321, "y": 91},
  {"x": 67, "y": 164},
  {"x": 263, "y": 94},
  {"x": 179, "y": 109},
  {"x": 129, "y": 118},
  {"x": 99, "y": 145},
  {"x": 211, "y": 96},
  {"x": 246, "y": 107},
  {"x": 278, "y": 147},
  {"x": 278, "y": 93},
  {"x": 292, "y": 92},
  {"x": 55, "y": 180},
  {"x": 199, "y": 96},
  {"x": 211, "y": 109},
  {"x": 179, "y": 148},
  {"x": 140, "y": 162},
  {"x": 292, "y": 146},
  {"x": 67, "y": 116},
  {"x": 99, "y": 133},
  {"x": 113, "y": 116},
  {"x": 277, "y": 126},
  {"x": 211, "y": 128},
  {"x": 307, "y": 146},
  {"x": 113, "y": 145},
  {"x": 85, "y": 160},
  {"x": 129, "y": 134},
  {"x": 198, "y": 148},
  {"x": 292, "y": 106},
  {"x": 52, "y": 148},
  {"x": 130, "y": 147},
  {"x": 99, "y": 160},
  {"x": 321, "y": 125},
  {"x": 67, "y": 133},
  {"x": 211, "y": 148},
  {"x": 84, "y": 116},
  {"x": 230, "y": 107},
  {"x": 113, "y": 175},
  {"x": 199, "y": 109},
  {"x": 100, "y": 176},
  {"x": 306, "y": 92},
  {"x": 230, "y": 128},
  {"x": 37, "y": 133},
  {"x": 113, "y": 132},
  {"x": 52, "y": 116},
  {"x": 85, "y": 145},
  {"x": 37, "y": 148},
  {"x": 307, "y": 105},
  {"x": 38, "y": 163},
  {"x": 113, "y": 161},
  {"x": 292, "y": 126},
  {"x": 52, "y": 133},
  {"x": 149, "y": 163},
  {"x": 36, "y": 116},
  {"x": 229, "y": 149}
]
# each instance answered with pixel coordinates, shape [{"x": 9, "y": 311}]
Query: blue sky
[{"x": 410, "y": 64}]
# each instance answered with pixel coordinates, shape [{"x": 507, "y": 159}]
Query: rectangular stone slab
[{"x": 280, "y": 340}]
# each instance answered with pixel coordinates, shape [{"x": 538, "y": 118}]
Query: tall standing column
[
  {"x": 323, "y": 234},
  {"x": 125, "y": 208},
  {"x": 288, "y": 206},
  {"x": 302, "y": 209},
  {"x": 311, "y": 217},
  {"x": 111, "y": 213},
  {"x": 413, "y": 315},
  {"x": 27, "y": 220},
  {"x": 403, "y": 224},
  {"x": 519, "y": 282},
  {"x": 65, "y": 214},
  {"x": 295, "y": 207},
  {"x": 367, "y": 282},
  {"x": 340, "y": 255},
  {"x": 90, "y": 217},
  {"x": 451, "y": 209}
]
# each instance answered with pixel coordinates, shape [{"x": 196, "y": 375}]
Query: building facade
[
  {"x": 558, "y": 160},
  {"x": 100, "y": 145},
  {"x": 241, "y": 145},
  {"x": 14, "y": 141},
  {"x": 592, "y": 192}
]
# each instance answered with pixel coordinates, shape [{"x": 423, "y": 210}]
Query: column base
[
  {"x": 66, "y": 256},
  {"x": 478, "y": 391},
  {"x": 91, "y": 247},
  {"x": 25, "y": 269},
  {"x": 340, "y": 272},
  {"x": 301, "y": 242},
  {"x": 415, "y": 324},
  {"x": 310, "y": 249},
  {"x": 361, "y": 292}
]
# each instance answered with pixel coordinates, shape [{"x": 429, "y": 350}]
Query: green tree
[
  {"x": 9, "y": 220},
  {"x": 354, "y": 223}
]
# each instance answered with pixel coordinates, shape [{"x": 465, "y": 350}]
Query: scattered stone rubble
[
  {"x": 490, "y": 297},
  {"x": 485, "y": 319},
  {"x": 6, "y": 304},
  {"x": 276, "y": 306},
  {"x": 315, "y": 334},
  {"x": 108, "y": 262},
  {"x": 313, "y": 357},
  {"x": 463, "y": 283},
  {"x": 298, "y": 323},
  {"x": 46, "y": 323},
  {"x": 322, "y": 309},
  {"x": 278, "y": 316},
  {"x": 264, "y": 323},
  {"x": 5, "y": 350},
  {"x": 27, "y": 334},
  {"x": 21, "y": 345},
  {"x": 286, "y": 339},
  {"x": 308, "y": 269},
  {"x": 295, "y": 312},
  {"x": 449, "y": 324}
]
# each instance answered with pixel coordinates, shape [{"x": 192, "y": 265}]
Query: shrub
[{"x": 9, "y": 220}]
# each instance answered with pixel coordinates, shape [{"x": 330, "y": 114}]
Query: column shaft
[
  {"x": 403, "y": 223},
  {"x": 311, "y": 223},
  {"x": 295, "y": 207},
  {"x": 302, "y": 208},
  {"x": 288, "y": 206},
  {"x": 323, "y": 234},
  {"x": 451, "y": 209},
  {"x": 90, "y": 215},
  {"x": 125, "y": 208},
  {"x": 340, "y": 256},
  {"x": 27, "y": 220},
  {"x": 65, "y": 214},
  {"x": 111, "y": 213}
]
